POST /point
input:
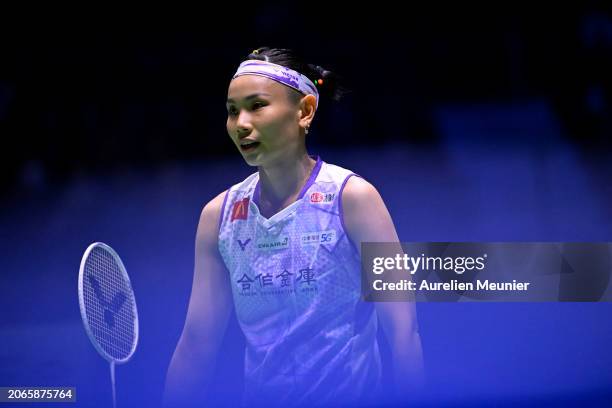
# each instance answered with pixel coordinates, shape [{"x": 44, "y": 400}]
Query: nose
[
  {"x": 243, "y": 127},
  {"x": 242, "y": 132}
]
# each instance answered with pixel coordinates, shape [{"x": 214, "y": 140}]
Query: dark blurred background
[
  {"x": 473, "y": 124},
  {"x": 95, "y": 96}
]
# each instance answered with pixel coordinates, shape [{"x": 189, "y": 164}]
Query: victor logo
[
  {"x": 110, "y": 308},
  {"x": 243, "y": 244}
]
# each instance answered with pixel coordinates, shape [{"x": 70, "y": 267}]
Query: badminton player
[{"x": 282, "y": 248}]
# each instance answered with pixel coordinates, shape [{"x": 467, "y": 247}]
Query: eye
[
  {"x": 258, "y": 105},
  {"x": 231, "y": 111}
]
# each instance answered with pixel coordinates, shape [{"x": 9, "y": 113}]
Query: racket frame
[{"x": 92, "y": 338}]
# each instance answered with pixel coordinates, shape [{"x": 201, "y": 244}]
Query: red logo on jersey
[
  {"x": 322, "y": 198},
  {"x": 316, "y": 197},
  {"x": 240, "y": 211}
]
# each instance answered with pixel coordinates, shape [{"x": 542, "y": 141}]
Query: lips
[{"x": 247, "y": 146}]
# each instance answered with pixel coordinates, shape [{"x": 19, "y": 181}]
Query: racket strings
[{"x": 109, "y": 304}]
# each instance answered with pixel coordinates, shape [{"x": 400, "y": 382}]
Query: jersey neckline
[{"x": 311, "y": 180}]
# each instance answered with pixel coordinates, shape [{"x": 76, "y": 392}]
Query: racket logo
[{"x": 110, "y": 308}]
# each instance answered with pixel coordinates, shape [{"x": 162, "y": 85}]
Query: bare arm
[
  {"x": 367, "y": 220},
  {"x": 192, "y": 365}
]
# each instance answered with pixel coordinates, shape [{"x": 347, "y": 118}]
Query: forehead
[{"x": 246, "y": 85}]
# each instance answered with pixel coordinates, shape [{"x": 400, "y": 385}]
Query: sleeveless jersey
[{"x": 296, "y": 283}]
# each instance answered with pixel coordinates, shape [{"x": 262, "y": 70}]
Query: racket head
[{"x": 107, "y": 303}]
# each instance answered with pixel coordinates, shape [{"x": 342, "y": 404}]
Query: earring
[{"x": 306, "y": 131}]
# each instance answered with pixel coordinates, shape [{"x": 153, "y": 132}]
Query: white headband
[{"x": 281, "y": 74}]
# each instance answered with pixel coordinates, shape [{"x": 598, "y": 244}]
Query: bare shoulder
[
  {"x": 360, "y": 198},
  {"x": 209, "y": 219},
  {"x": 366, "y": 217},
  {"x": 213, "y": 207},
  {"x": 358, "y": 188}
]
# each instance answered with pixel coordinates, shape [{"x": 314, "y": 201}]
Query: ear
[{"x": 306, "y": 111}]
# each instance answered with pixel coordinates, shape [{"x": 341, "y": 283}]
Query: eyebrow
[{"x": 255, "y": 95}]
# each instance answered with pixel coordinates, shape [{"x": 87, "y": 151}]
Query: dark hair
[{"x": 333, "y": 84}]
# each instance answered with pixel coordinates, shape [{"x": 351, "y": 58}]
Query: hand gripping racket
[{"x": 108, "y": 307}]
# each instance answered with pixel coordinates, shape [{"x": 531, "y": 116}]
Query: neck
[{"x": 283, "y": 181}]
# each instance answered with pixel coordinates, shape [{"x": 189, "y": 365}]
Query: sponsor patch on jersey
[
  {"x": 322, "y": 198},
  {"x": 266, "y": 244},
  {"x": 240, "y": 210},
  {"x": 319, "y": 237}
]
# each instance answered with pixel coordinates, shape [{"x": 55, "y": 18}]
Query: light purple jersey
[{"x": 296, "y": 286}]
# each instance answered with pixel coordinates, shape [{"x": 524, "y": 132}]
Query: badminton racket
[{"x": 108, "y": 306}]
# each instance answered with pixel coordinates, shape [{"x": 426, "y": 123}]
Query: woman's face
[{"x": 262, "y": 120}]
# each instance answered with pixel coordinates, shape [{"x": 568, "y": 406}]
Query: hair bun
[
  {"x": 328, "y": 83},
  {"x": 318, "y": 69}
]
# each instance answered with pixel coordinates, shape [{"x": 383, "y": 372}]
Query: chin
[
  {"x": 257, "y": 158},
  {"x": 252, "y": 161}
]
